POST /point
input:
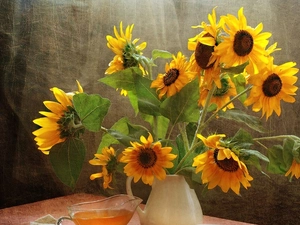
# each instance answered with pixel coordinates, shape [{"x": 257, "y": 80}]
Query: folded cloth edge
[{"x": 45, "y": 220}]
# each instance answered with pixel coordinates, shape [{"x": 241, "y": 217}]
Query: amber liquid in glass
[{"x": 103, "y": 217}]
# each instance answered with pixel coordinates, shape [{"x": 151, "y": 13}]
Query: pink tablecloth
[{"x": 56, "y": 207}]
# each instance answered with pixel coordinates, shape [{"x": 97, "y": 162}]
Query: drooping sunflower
[
  {"x": 55, "y": 123},
  {"x": 177, "y": 75},
  {"x": 124, "y": 48},
  {"x": 108, "y": 161},
  {"x": 243, "y": 44},
  {"x": 147, "y": 160},
  {"x": 221, "y": 167},
  {"x": 273, "y": 84},
  {"x": 221, "y": 95},
  {"x": 203, "y": 45},
  {"x": 294, "y": 170}
]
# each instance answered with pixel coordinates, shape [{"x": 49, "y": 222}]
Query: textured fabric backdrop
[{"x": 46, "y": 43}]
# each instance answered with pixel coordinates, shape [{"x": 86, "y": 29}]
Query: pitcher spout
[
  {"x": 124, "y": 202},
  {"x": 132, "y": 203}
]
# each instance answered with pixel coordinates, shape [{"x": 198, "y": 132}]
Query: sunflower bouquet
[{"x": 230, "y": 64}]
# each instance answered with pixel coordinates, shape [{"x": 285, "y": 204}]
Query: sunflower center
[
  {"x": 228, "y": 165},
  {"x": 272, "y": 85},
  {"x": 171, "y": 76},
  {"x": 203, "y": 54},
  {"x": 69, "y": 124},
  {"x": 112, "y": 164},
  {"x": 224, "y": 88},
  {"x": 147, "y": 158},
  {"x": 243, "y": 43}
]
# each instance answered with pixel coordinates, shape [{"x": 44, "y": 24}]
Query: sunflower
[
  {"x": 243, "y": 44},
  {"x": 221, "y": 166},
  {"x": 124, "y": 48},
  {"x": 177, "y": 75},
  {"x": 147, "y": 160},
  {"x": 108, "y": 161},
  {"x": 55, "y": 125},
  {"x": 203, "y": 45},
  {"x": 294, "y": 170},
  {"x": 221, "y": 96},
  {"x": 273, "y": 84}
]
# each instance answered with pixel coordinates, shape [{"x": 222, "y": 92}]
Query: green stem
[
  {"x": 76, "y": 126},
  {"x": 277, "y": 138},
  {"x": 190, "y": 151},
  {"x": 225, "y": 105},
  {"x": 261, "y": 144},
  {"x": 170, "y": 132},
  {"x": 184, "y": 137},
  {"x": 105, "y": 130},
  {"x": 203, "y": 113},
  {"x": 280, "y": 137},
  {"x": 200, "y": 122},
  {"x": 155, "y": 127}
]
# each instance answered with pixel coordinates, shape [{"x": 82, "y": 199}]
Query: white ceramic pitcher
[{"x": 171, "y": 201}]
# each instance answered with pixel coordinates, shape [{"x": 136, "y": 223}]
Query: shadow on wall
[{"x": 20, "y": 181}]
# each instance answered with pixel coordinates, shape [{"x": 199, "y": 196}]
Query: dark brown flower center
[
  {"x": 203, "y": 54},
  {"x": 272, "y": 85},
  {"x": 243, "y": 43},
  {"x": 147, "y": 158},
  {"x": 229, "y": 165},
  {"x": 171, "y": 76}
]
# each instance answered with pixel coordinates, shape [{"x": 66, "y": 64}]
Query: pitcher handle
[
  {"x": 59, "y": 220},
  {"x": 129, "y": 192}
]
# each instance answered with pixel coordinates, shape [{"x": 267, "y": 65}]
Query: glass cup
[{"x": 115, "y": 210}]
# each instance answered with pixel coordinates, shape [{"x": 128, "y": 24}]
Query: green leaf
[
  {"x": 242, "y": 117},
  {"x": 159, "y": 125},
  {"x": 235, "y": 69},
  {"x": 190, "y": 131},
  {"x": 289, "y": 146},
  {"x": 281, "y": 157},
  {"x": 133, "y": 101},
  {"x": 148, "y": 101},
  {"x": 183, "y": 106},
  {"x": 277, "y": 164},
  {"x": 67, "y": 160},
  {"x": 253, "y": 157},
  {"x": 156, "y": 53},
  {"x": 133, "y": 135},
  {"x": 124, "y": 79},
  {"x": 242, "y": 139},
  {"x": 240, "y": 84},
  {"x": 180, "y": 150},
  {"x": 91, "y": 109},
  {"x": 108, "y": 140}
]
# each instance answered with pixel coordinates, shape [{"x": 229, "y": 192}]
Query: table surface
[{"x": 24, "y": 214}]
